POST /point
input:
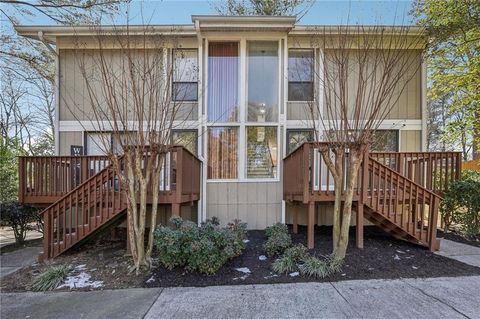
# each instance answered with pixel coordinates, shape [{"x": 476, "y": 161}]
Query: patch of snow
[
  {"x": 344, "y": 274},
  {"x": 294, "y": 274},
  {"x": 151, "y": 279},
  {"x": 246, "y": 241},
  {"x": 396, "y": 257},
  {"x": 271, "y": 276},
  {"x": 400, "y": 252},
  {"x": 262, "y": 257},
  {"x": 81, "y": 267},
  {"x": 245, "y": 270},
  {"x": 81, "y": 281},
  {"x": 113, "y": 271},
  {"x": 241, "y": 278},
  {"x": 414, "y": 267}
]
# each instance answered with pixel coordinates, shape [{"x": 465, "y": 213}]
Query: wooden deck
[
  {"x": 82, "y": 194},
  {"x": 398, "y": 191}
]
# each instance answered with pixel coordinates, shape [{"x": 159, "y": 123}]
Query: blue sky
[{"x": 322, "y": 12}]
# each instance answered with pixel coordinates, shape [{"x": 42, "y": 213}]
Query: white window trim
[{"x": 242, "y": 111}]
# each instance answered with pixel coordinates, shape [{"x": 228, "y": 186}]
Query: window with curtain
[
  {"x": 300, "y": 74},
  {"x": 385, "y": 141},
  {"x": 186, "y": 138},
  {"x": 262, "y": 77},
  {"x": 296, "y": 137},
  {"x": 185, "y": 75},
  {"x": 98, "y": 143},
  {"x": 262, "y": 150},
  {"x": 223, "y": 82},
  {"x": 222, "y": 153}
]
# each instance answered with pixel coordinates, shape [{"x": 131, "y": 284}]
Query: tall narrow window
[
  {"x": 185, "y": 75},
  {"x": 300, "y": 75},
  {"x": 222, "y": 152},
  {"x": 223, "y": 81},
  {"x": 262, "y": 151},
  {"x": 262, "y": 81}
]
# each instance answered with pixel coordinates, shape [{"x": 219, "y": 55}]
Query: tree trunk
[
  {"x": 337, "y": 206},
  {"x": 355, "y": 162}
]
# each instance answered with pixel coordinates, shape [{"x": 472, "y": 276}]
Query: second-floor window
[
  {"x": 300, "y": 74},
  {"x": 185, "y": 75}
]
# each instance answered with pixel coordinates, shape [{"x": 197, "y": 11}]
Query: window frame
[
  {"x": 242, "y": 122},
  {"x": 187, "y": 131},
  {"x": 173, "y": 82},
  {"x": 287, "y": 139},
  {"x": 312, "y": 81},
  {"x": 397, "y": 140}
]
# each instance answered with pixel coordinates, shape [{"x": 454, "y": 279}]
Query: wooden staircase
[
  {"x": 399, "y": 192},
  {"x": 82, "y": 194},
  {"x": 81, "y": 212},
  {"x": 400, "y": 206}
]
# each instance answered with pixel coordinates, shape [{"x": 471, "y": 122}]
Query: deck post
[
  {"x": 295, "y": 218},
  {"x": 175, "y": 209},
  {"x": 359, "y": 225},
  {"x": 311, "y": 225}
]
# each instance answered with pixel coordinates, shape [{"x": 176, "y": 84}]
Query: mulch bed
[
  {"x": 382, "y": 258},
  {"x": 453, "y": 236}
]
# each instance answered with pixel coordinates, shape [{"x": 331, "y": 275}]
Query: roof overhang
[
  {"x": 243, "y": 23},
  {"x": 50, "y": 33}
]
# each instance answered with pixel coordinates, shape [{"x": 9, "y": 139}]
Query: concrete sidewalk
[
  {"x": 15, "y": 260},
  {"x": 405, "y": 298},
  {"x": 464, "y": 253}
]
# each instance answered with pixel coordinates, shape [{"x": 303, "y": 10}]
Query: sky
[{"x": 326, "y": 12}]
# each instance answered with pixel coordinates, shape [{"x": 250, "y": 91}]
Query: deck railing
[
  {"x": 45, "y": 179},
  {"x": 432, "y": 170}
]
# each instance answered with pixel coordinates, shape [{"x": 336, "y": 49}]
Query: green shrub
[
  {"x": 50, "y": 279},
  {"x": 203, "y": 249},
  {"x": 239, "y": 228},
  {"x": 315, "y": 267},
  {"x": 19, "y": 217},
  {"x": 276, "y": 229},
  {"x": 277, "y": 243},
  {"x": 461, "y": 204},
  {"x": 290, "y": 260}
]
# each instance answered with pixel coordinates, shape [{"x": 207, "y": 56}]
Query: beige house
[{"x": 245, "y": 108}]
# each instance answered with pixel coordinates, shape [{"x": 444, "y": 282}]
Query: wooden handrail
[{"x": 88, "y": 206}]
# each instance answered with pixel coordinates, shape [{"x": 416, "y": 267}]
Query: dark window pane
[
  {"x": 296, "y": 138},
  {"x": 300, "y": 91},
  {"x": 185, "y": 91},
  {"x": 300, "y": 65},
  {"x": 187, "y": 139},
  {"x": 385, "y": 141}
]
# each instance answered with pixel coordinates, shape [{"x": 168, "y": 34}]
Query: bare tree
[
  {"x": 127, "y": 80},
  {"x": 362, "y": 76}
]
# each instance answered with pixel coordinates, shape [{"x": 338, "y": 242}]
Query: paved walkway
[
  {"x": 467, "y": 254},
  {"x": 7, "y": 236},
  {"x": 406, "y": 298},
  {"x": 11, "y": 262}
]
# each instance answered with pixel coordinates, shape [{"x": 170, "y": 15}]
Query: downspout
[{"x": 57, "y": 92}]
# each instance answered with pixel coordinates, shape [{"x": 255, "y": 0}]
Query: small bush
[
  {"x": 461, "y": 204},
  {"x": 277, "y": 244},
  {"x": 50, "y": 279},
  {"x": 278, "y": 239},
  {"x": 290, "y": 260},
  {"x": 203, "y": 249},
  {"x": 19, "y": 216},
  {"x": 276, "y": 229},
  {"x": 315, "y": 267}
]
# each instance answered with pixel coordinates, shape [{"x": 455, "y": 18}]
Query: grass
[
  {"x": 318, "y": 268},
  {"x": 50, "y": 278}
]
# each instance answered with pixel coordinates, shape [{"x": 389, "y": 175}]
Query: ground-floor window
[
  {"x": 98, "y": 143},
  {"x": 262, "y": 150},
  {"x": 222, "y": 152},
  {"x": 296, "y": 137},
  {"x": 186, "y": 138},
  {"x": 385, "y": 141}
]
